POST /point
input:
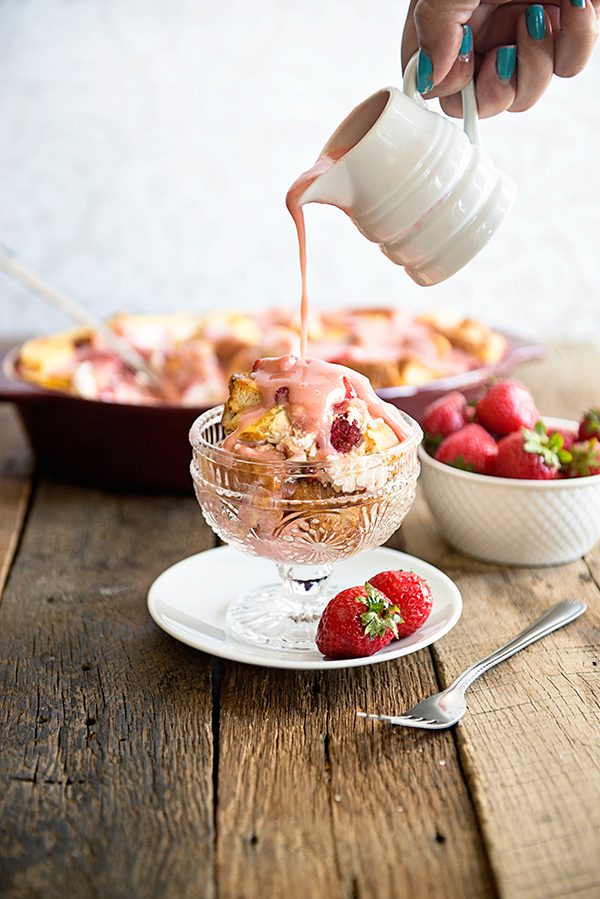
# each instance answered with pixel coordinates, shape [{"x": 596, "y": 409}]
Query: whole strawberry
[
  {"x": 531, "y": 454},
  {"x": 410, "y": 593},
  {"x": 471, "y": 449},
  {"x": 585, "y": 459},
  {"x": 569, "y": 437},
  {"x": 443, "y": 417},
  {"x": 506, "y": 407},
  {"x": 589, "y": 425},
  {"x": 357, "y": 622}
]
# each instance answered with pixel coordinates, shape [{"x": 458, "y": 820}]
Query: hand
[{"x": 512, "y": 49}]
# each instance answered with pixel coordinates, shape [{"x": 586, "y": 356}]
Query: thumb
[{"x": 436, "y": 27}]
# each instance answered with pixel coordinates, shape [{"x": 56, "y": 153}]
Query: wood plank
[
  {"x": 106, "y": 764},
  {"x": 331, "y": 806},
  {"x": 567, "y": 382},
  {"x": 335, "y": 806},
  {"x": 15, "y": 486},
  {"x": 529, "y": 743},
  {"x": 273, "y": 817},
  {"x": 593, "y": 563}
]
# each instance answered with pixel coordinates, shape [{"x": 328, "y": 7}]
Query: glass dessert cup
[{"x": 304, "y": 516}]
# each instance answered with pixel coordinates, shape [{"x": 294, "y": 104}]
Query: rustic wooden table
[{"x": 133, "y": 766}]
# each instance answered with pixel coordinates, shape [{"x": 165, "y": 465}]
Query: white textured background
[{"x": 146, "y": 146}]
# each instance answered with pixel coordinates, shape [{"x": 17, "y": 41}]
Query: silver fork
[{"x": 446, "y": 708}]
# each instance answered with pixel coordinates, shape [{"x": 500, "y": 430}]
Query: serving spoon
[{"x": 14, "y": 268}]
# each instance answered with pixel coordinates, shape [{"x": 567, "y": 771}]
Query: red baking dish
[{"x": 136, "y": 447}]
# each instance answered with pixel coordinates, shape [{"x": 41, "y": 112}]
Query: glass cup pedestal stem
[{"x": 283, "y": 616}]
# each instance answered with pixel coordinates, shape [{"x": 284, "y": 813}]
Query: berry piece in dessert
[
  {"x": 507, "y": 406},
  {"x": 585, "y": 459},
  {"x": 410, "y": 593},
  {"x": 471, "y": 449},
  {"x": 357, "y": 622},
  {"x": 589, "y": 425},
  {"x": 531, "y": 454},
  {"x": 443, "y": 417},
  {"x": 344, "y": 434},
  {"x": 309, "y": 411}
]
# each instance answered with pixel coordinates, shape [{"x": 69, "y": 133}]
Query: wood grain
[
  {"x": 106, "y": 763},
  {"x": 132, "y": 766},
  {"x": 15, "y": 486},
  {"x": 331, "y": 805},
  {"x": 567, "y": 382},
  {"x": 529, "y": 744}
]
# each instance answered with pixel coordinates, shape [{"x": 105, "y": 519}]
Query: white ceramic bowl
[{"x": 511, "y": 521}]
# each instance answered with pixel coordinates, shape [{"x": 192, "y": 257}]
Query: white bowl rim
[{"x": 494, "y": 481}]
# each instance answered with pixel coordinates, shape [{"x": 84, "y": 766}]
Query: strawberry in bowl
[
  {"x": 589, "y": 426},
  {"x": 513, "y": 487},
  {"x": 471, "y": 449},
  {"x": 536, "y": 454}
]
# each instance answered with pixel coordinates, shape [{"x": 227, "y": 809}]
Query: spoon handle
[
  {"x": 559, "y": 615},
  {"x": 132, "y": 359}
]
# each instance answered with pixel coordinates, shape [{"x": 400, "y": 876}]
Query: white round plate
[{"x": 189, "y": 601}]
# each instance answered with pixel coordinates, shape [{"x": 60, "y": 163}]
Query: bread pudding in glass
[{"x": 304, "y": 465}]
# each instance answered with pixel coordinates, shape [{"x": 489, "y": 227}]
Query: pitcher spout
[
  {"x": 334, "y": 175},
  {"x": 333, "y": 186}
]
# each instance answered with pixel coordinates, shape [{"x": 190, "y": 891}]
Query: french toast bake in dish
[{"x": 194, "y": 355}]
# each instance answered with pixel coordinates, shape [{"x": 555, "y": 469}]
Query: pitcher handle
[{"x": 470, "y": 117}]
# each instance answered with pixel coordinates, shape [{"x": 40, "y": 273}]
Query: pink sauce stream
[{"x": 294, "y": 205}]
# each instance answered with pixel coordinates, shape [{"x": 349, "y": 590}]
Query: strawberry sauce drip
[
  {"x": 293, "y": 202},
  {"x": 313, "y": 389}
]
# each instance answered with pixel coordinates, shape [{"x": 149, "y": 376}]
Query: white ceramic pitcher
[{"x": 414, "y": 182}]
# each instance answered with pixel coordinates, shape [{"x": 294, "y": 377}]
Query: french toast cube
[
  {"x": 243, "y": 393},
  {"x": 271, "y": 427}
]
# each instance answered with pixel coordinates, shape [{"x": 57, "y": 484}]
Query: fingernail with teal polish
[
  {"x": 506, "y": 59},
  {"x": 466, "y": 47},
  {"x": 424, "y": 72},
  {"x": 535, "y": 18},
  {"x": 578, "y": 4}
]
